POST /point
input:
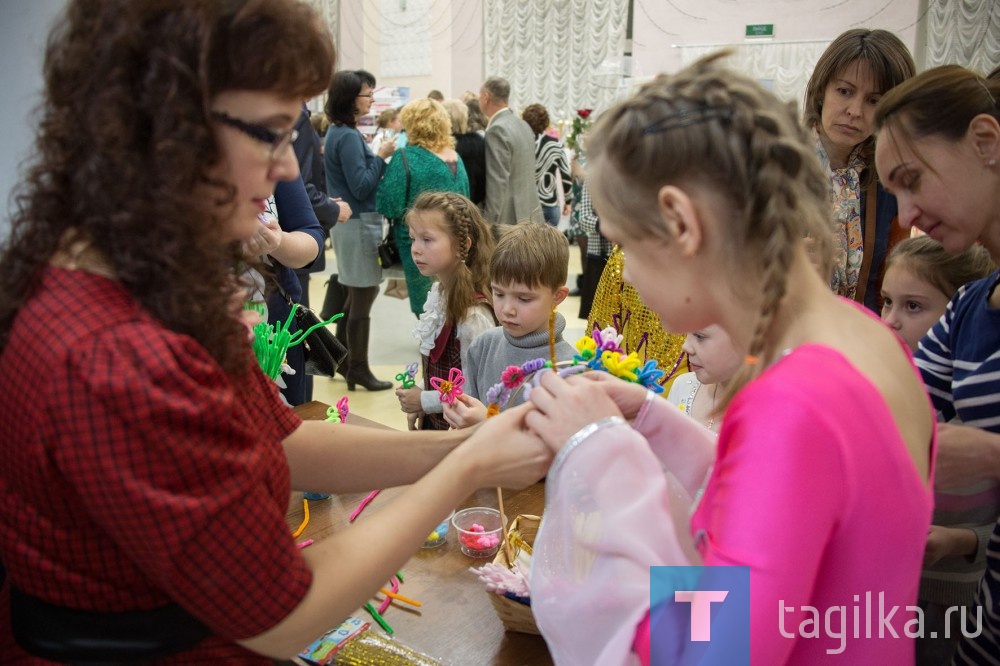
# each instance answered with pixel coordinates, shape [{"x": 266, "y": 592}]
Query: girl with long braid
[
  {"x": 820, "y": 483},
  {"x": 452, "y": 242}
]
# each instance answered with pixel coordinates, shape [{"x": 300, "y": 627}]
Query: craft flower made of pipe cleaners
[
  {"x": 339, "y": 413},
  {"x": 449, "y": 388},
  {"x": 407, "y": 377},
  {"x": 608, "y": 340},
  {"x": 586, "y": 348},
  {"x": 512, "y": 376},
  {"x": 620, "y": 365},
  {"x": 649, "y": 376}
]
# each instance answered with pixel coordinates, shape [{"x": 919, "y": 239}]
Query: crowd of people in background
[{"x": 838, "y": 431}]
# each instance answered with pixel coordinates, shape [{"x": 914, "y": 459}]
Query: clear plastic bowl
[
  {"x": 439, "y": 536},
  {"x": 480, "y": 531}
]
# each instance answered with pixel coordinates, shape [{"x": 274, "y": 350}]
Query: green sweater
[{"x": 428, "y": 173}]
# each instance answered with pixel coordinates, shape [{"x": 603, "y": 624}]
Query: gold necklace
[{"x": 715, "y": 391}]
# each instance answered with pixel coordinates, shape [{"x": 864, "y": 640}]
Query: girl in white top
[
  {"x": 713, "y": 361},
  {"x": 453, "y": 243}
]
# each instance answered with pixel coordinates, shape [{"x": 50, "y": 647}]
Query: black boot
[
  {"x": 341, "y": 334},
  {"x": 359, "y": 373},
  {"x": 335, "y": 299}
]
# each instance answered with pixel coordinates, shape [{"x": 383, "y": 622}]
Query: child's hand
[
  {"x": 949, "y": 541},
  {"x": 409, "y": 399},
  {"x": 266, "y": 240},
  {"x": 563, "y": 407},
  {"x": 413, "y": 420},
  {"x": 464, "y": 412},
  {"x": 522, "y": 460},
  {"x": 628, "y": 396}
]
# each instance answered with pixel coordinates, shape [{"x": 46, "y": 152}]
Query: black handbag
[
  {"x": 388, "y": 250},
  {"x": 323, "y": 351}
]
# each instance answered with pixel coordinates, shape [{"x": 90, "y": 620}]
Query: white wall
[
  {"x": 456, "y": 34},
  {"x": 24, "y": 26},
  {"x": 447, "y": 54},
  {"x": 660, "y": 25}
]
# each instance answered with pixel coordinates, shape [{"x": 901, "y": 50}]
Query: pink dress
[{"x": 813, "y": 489}]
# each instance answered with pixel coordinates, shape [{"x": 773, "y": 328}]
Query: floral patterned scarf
[{"x": 846, "y": 199}]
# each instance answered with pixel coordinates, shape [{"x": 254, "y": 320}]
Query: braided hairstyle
[
  {"x": 713, "y": 129},
  {"x": 473, "y": 241}
]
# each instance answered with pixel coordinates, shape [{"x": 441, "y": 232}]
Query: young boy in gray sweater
[{"x": 528, "y": 279}]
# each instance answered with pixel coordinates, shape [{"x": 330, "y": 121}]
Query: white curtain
[
  {"x": 783, "y": 67},
  {"x": 964, "y": 32},
  {"x": 564, "y": 54},
  {"x": 329, "y": 11}
]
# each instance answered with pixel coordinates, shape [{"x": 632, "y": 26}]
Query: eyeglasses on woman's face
[
  {"x": 277, "y": 140},
  {"x": 369, "y": 95}
]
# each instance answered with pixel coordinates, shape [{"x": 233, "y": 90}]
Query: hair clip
[{"x": 685, "y": 117}]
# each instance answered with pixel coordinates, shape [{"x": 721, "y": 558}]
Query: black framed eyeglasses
[
  {"x": 277, "y": 140},
  {"x": 369, "y": 95}
]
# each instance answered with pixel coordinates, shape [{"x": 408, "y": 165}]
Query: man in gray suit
[{"x": 511, "y": 191}]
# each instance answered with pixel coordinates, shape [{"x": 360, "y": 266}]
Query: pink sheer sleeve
[
  {"x": 683, "y": 446},
  {"x": 611, "y": 512}
]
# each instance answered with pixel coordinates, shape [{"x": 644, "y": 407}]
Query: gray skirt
[{"x": 355, "y": 242}]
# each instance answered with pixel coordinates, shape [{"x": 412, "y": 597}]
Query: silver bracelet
[
  {"x": 580, "y": 435},
  {"x": 643, "y": 409}
]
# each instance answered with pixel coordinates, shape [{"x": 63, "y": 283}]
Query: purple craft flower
[
  {"x": 534, "y": 365},
  {"x": 608, "y": 340}
]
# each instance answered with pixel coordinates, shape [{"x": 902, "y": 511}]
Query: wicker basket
[{"x": 515, "y": 615}]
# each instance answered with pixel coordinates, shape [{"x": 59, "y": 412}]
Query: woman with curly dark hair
[{"x": 145, "y": 460}]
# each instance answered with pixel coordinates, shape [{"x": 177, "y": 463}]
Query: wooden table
[{"x": 457, "y": 623}]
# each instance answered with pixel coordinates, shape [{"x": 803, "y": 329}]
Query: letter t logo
[{"x": 701, "y": 610}]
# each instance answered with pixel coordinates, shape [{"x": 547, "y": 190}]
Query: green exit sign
[{"x": 760, "y": 30}]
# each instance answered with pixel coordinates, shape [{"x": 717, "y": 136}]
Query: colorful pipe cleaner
[
  {"x": 270, "y": 344},
  {"x": 449, "y": 388},
  {"x": 339, "y": 413},
  {"x": 600, "y": 351},
  {"x": 408, "y": 376}
]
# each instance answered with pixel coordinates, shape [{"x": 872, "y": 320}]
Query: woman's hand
[
  {"x": 387, "y": 148},
  {"x": 464, "y": 412},
  {"x": 965, "y": 455},
  {"x": 949, "y": 541},
  {"x": 345, "y": 209},
  {"x": 409, "y": 399},
  {"x": 504, "y": 452},
  {"x": 413, "y": 420},
  {"x": 563, "y": 407},
  {"x": 266, "y": 240}
]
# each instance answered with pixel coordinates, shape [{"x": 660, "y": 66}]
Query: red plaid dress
[{"x": 135, "y": 473}]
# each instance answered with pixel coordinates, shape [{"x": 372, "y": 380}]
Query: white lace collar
[{"x": 431, "y": 321}]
